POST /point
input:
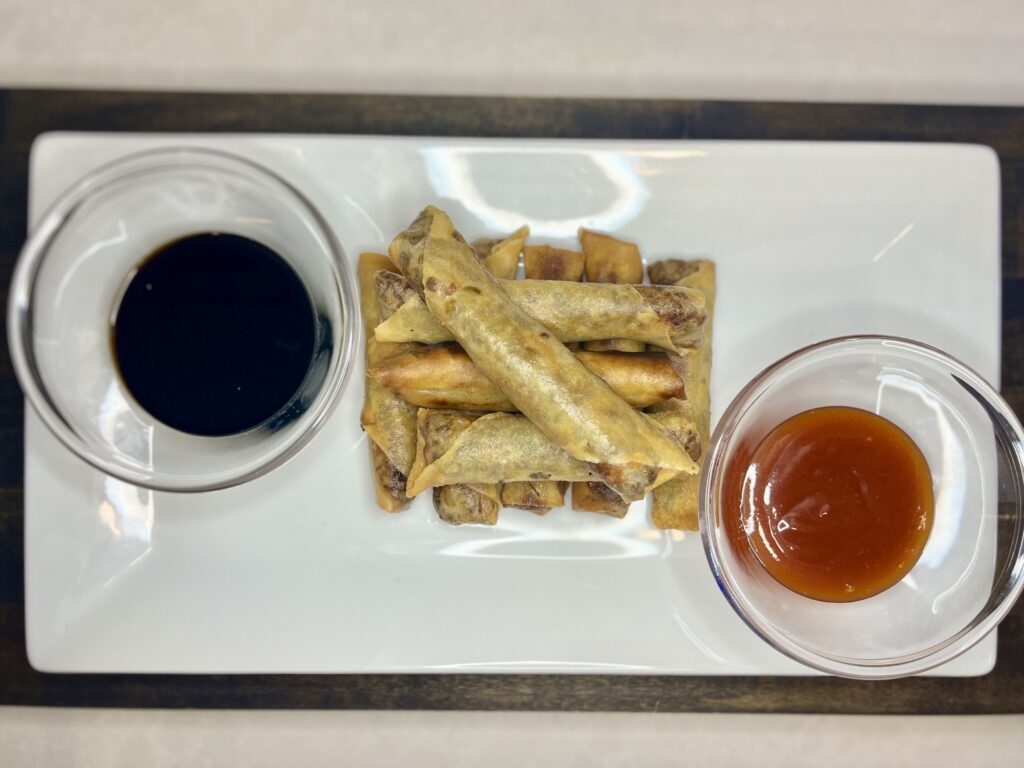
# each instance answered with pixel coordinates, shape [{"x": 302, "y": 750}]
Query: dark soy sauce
[{"x": 214, "y": 334}]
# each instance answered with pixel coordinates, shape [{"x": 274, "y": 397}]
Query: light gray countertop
[
  {"x": 873, "y": 50},
  {"x": 131, "y": 738}
]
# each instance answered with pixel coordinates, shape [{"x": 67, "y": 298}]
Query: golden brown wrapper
[
  {"x": 607, "y": 260},
  {"x": 537, "y": 496},
  {"x": 543, "y": 262},
  {"x": 675, "y": 502},
  {"x": 679, "y": 424},
  {"x": 488, "y": 449},
  {"x": 388, "y": 420},
  {"x": 467, "y": 504},
  {"x": 455, "y": 503},
  {"x": 406, "y": 250},
  {"x": 461, "y": 504},
  {"x": 675, "y": 416},
  {"x": 500, "y": 256},
  {"x": 598, "y": 497},
  {"x": 610, "y": 260},
  {"x": 446, "y": 377},
  {"x": 388, "y": 481},
  {"x": 577, "y": 411},
  {"x": 671, "y": 271},
  {"x": 668, "y": 317},
  {"x": 505, "y": 446}
]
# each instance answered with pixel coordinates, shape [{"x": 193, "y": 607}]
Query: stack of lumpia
[{"x": 497, "y": 392}]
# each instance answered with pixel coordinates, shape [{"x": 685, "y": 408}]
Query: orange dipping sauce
[{"x": 836, "y": 503}]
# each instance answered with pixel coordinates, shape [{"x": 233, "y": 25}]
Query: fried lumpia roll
[
  {"x": 537, "y": 496},
  {"x": 500, "y": 256},
  {"x": 598, "y": 497},
  {"x": 389, "y": 421},
  {"x": 457, "y": 504},
  {"x": 467, "y": 504},
  {"x": 672, "y": 271},
  {"x": 543, "y": 262},
  {"x": 675, "y": 503},
  {"x": 607, "y": 260},
  {"x": 498, "y": 446},
  {"x": 486, "y": 449},
  {"x": 571, "y": 406},
  {"x": 388, "y": 481},
  {"x": 445, "y": 377},
  {"x": 610, "y": 260},
  {"x": 668, "y": 317},
  {"x": 679, "y": 424}
]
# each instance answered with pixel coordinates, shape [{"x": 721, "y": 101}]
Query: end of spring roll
[{"x": 500, "y": 256}]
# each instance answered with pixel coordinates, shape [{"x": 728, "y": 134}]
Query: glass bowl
[
  {"x": 972, "y": 568},
  {"x": 75, "y": 264}
]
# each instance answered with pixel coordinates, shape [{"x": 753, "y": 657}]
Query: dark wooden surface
[{"x": 25, "y": 114}]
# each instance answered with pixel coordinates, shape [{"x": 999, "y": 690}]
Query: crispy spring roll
[
  {"x": 456, "y": 503},
  {"x": 500, "y": 256},
  {"x": 545, "y": 262},
  {"x": 675, "y": 503},
  {"x": 389, "y": 421},
  {"x": 388, "y": 481},
  {"x": 537, "y": 496},
  {"x": 569, "y": 405},
  {"x": 610, "y": 260},
  {"x": 487, "y": 449},
  {"x": 445, "y": 377},
  {"x": 679, "y": 424},
  {"x": 668, "y": 317},
  {"x": 672, "y": 271},
  {"x": 542, "y": 262},
  {"x": 598, "y": 497},
  {"x": 463, "y": 504}
]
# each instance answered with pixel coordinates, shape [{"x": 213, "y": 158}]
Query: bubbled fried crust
[{"x": 671, "y": 271}]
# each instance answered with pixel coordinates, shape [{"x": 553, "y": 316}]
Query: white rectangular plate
[{"x": 300, "y": 572}]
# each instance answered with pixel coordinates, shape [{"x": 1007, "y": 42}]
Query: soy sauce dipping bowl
[
  {"x": 77, "y": 261},
  {"x": 972, "y": 568}
]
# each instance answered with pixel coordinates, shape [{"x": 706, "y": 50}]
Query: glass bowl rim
[
  {"x": 882, "y": 668},
  {"x": 125, "y": 169}
]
